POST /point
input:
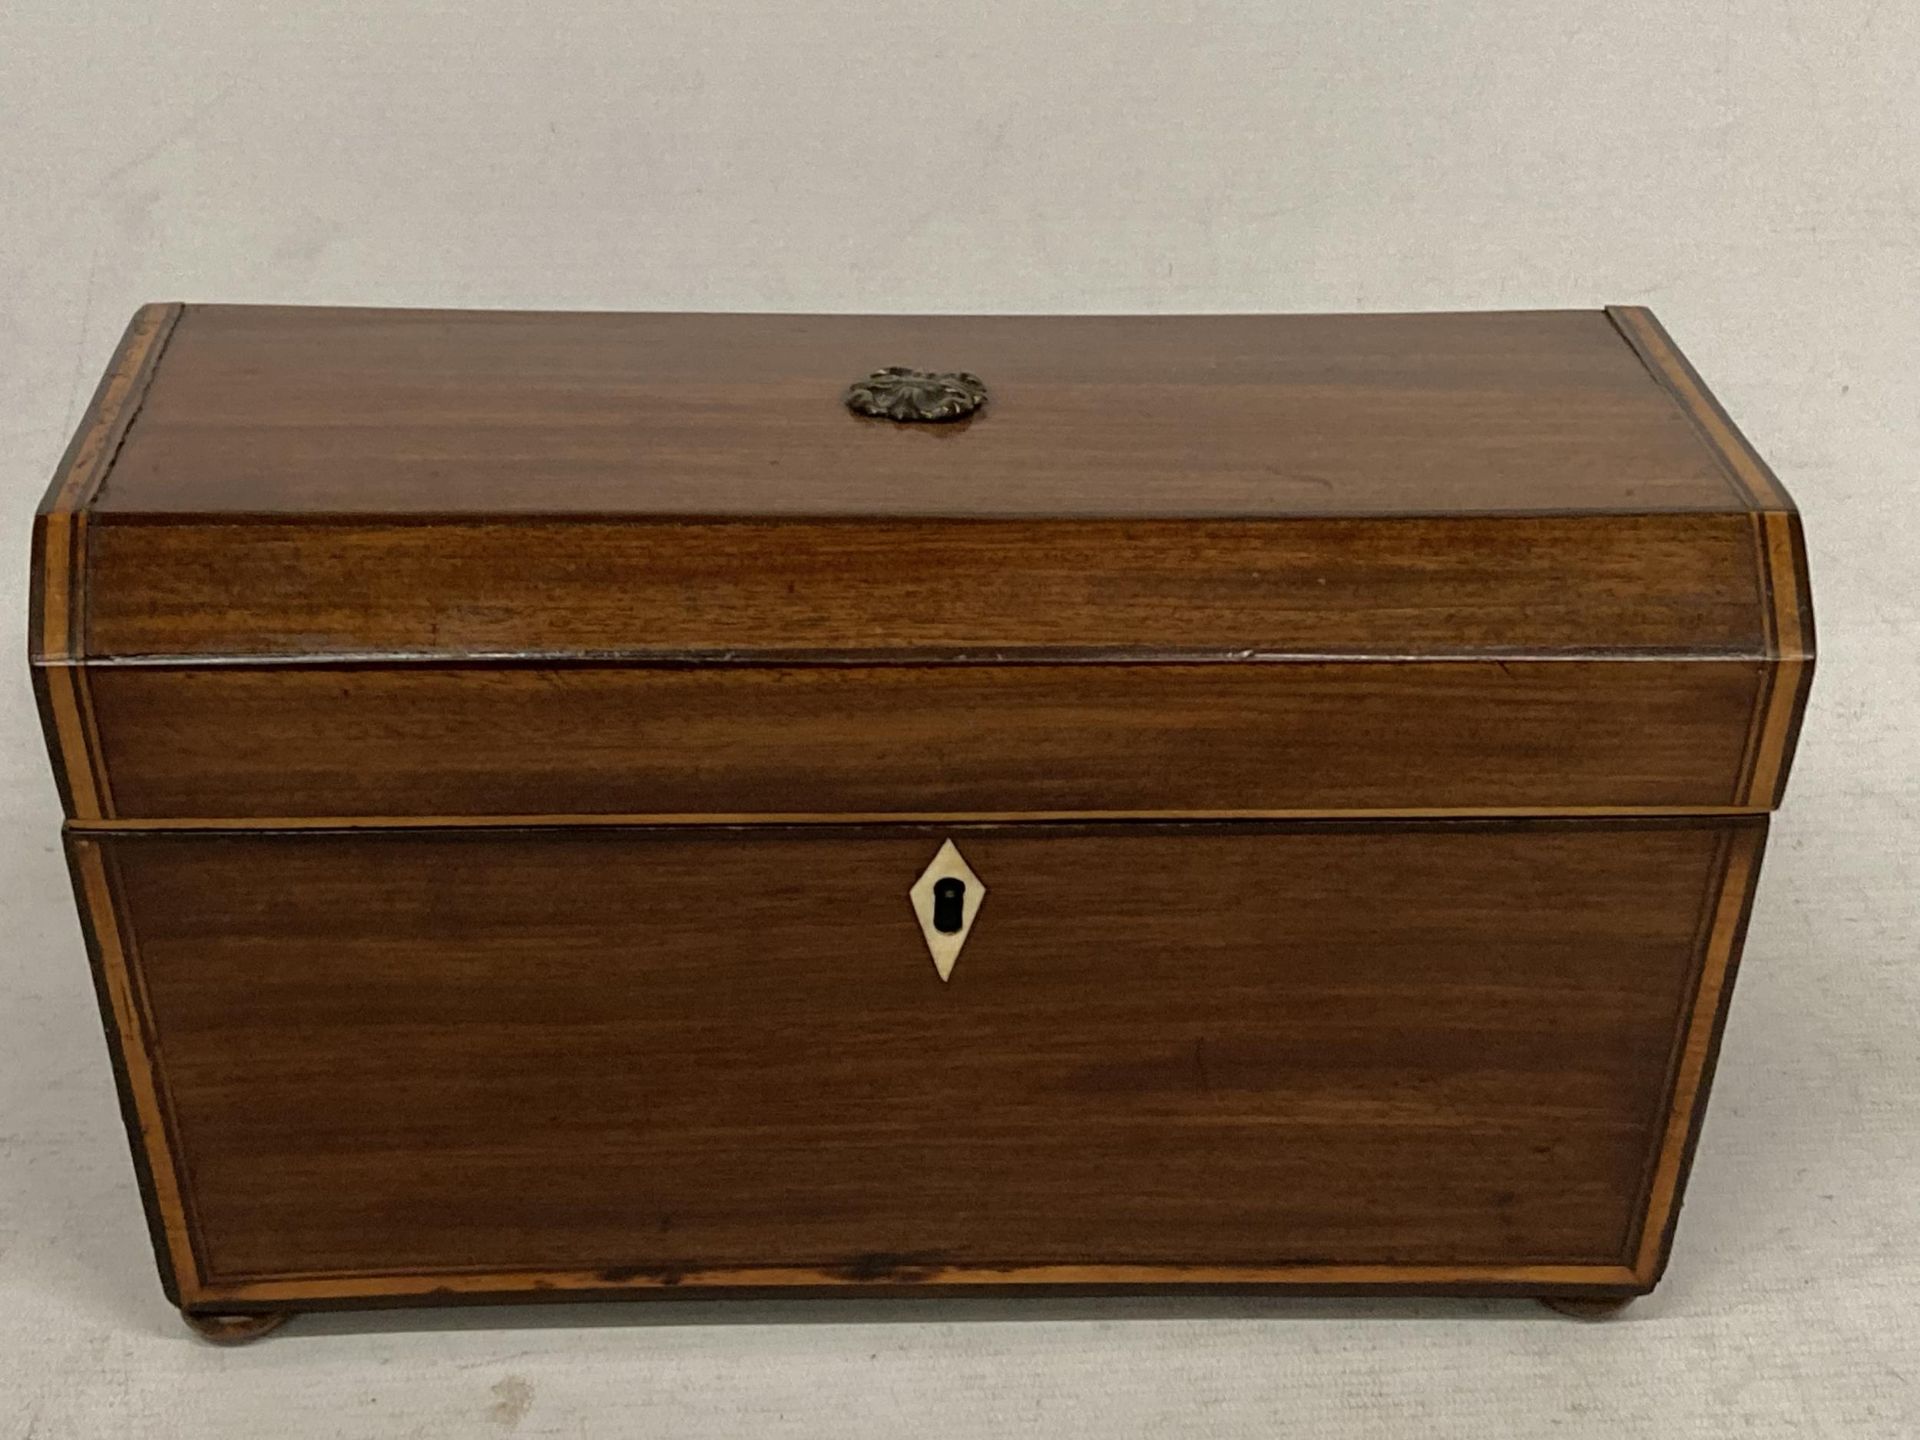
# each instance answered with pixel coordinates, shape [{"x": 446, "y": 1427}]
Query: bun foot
[
  {"x": 233, "y": 1329},
  {"x": 1582, "y": 1307}
]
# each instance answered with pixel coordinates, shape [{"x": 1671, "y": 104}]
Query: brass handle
[{"x": 897, "y": 393}]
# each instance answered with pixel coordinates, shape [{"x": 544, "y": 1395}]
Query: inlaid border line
[
  {"x": 271, "y": 824},
  {"x": 1753, "y": 482},
  {"x": 137, "y": 1066},
  {"x": 1793, "y": 644},
  {"x": 58, "y": 600},
  {"x": 372, "y": 1286},
  {"x": 1694, "y": 1073},
  {"x": 1698, "y": 951},
  {"x": 1781, "y": 548}
]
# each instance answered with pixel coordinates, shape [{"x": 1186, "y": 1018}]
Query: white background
[{"x": 1750, "y": 168}]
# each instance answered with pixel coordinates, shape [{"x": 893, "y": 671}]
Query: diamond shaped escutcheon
[{"x": 946, "y": 899}]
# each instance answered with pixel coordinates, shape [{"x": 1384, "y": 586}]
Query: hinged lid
[{"x": 1383, "y": 518}]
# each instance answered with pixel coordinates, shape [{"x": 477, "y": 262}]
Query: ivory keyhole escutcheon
[{"x": 946, "y": 899}]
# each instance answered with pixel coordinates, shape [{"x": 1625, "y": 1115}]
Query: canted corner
[
  {"x": 1751, "y": 482},
  {"x": 116, "y": 400},
  {"x": 57, "y": 563}
]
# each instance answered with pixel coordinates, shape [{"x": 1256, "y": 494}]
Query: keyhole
[{"x": 949, "y": 905}]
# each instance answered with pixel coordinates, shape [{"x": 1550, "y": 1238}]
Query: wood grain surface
[
  {"x": 341, "y": 411},
  {"x": 1660, "y": 585},
  {"x": 281, "y": 742},
  {"x": 56, "y": 591},
  {"x": 326, "y": 602},
  {"x": 577, "y": 630},
  {"x": 304, "y": 483},
  {"x": 648, "y": 1058}
]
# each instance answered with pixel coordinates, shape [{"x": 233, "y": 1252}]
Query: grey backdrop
[{"x": 1750, "y": 168}]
